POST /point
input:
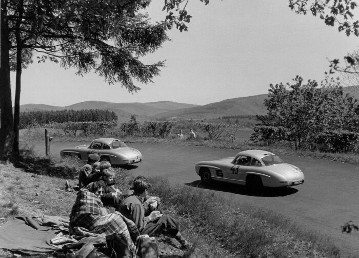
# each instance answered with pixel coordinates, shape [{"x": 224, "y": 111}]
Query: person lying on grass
[
  {"x": 155, "y": 223},
  {"x": 88, "y": 212}
]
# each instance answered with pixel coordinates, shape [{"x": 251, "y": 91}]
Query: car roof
[
  {"x": 256, "y": 153},
  {"x": 106, "y": 140}
]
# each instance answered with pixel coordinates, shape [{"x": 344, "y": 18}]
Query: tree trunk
[
  {"x": 15, "y": 150},
  {"x": 5, "y": 89}
]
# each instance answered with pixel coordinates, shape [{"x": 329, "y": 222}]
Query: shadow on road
[
  {"x": 242, "y": 190},
  {"x": 127, "y": 167}
]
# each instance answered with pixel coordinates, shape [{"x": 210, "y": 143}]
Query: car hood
[{"x": 284, "y": 169}]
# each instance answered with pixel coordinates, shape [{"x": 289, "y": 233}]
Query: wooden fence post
[{"x": 46, "y": 143}]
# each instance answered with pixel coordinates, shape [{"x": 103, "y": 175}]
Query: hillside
[
  {"x": 143, "y": 111},
  {"x": 252, "y": 105}
]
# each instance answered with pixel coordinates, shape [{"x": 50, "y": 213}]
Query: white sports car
[
  {"x": 252, "y": 168},
  {"x": 110, "y": 149}
]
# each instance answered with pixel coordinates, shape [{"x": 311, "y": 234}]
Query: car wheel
[
  {"x": 254, "y": 183},
  {"x": 206, "y": 176},
  {"x": 105, "y": 159}
]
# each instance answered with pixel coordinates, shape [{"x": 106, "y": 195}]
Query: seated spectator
[
  {"x": 88, "y": 172},
  {"x": 88, "y": 212},
  {"x": 85, "y": 172},
  {"x": 153, "y": 224},
  {"x": 104, "y": 165},
  {"x": 111, "y": 196}
]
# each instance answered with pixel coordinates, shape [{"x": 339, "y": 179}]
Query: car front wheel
[
  {"x": 206, "y": 176},
  {"x": 105, "y": 159},
  {"x": 254, "y": 183}
]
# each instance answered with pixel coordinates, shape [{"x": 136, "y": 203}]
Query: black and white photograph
[{"x": 179, "y": 128}]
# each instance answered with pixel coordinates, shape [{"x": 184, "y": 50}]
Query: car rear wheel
[
  {"x": 206, "y": 176},
  {"x": 105, "y": 159},
  {"x": 254, "y": 183}
]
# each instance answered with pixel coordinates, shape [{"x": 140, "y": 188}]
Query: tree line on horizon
[{"x": 31, "y": 118}]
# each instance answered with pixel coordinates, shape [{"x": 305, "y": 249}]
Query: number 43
[{"x": 235, "y": 170}]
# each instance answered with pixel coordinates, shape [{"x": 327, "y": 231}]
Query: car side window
[
  {"x": 243, "y": 160},
  {"x": 255, "y": 163},
  {"x": 106, "y": 147},
  {"x": 95, "y": 146}
]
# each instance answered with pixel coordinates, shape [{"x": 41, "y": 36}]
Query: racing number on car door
[
  {"x": 239, "y": 168},
  {"x": 235, "y": 169}
]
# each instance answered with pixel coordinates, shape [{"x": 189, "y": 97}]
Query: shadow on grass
[
  {"x": 32, "y": 163},
  {"x": 242, "y": 190}
]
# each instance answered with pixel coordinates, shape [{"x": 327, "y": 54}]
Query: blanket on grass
[{"x": 20, "y": 235}]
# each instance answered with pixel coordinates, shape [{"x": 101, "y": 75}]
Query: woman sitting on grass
[
  {"x": 112, "y": 195},
  {"x": 88, "y": 212}
]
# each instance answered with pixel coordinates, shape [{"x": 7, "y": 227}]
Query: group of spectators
[{"x": 132, "y": 215}]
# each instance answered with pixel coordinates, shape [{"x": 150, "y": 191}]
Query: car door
[
  {"x": 95, "y": 147},
  {"x": 241, "y": 165}
]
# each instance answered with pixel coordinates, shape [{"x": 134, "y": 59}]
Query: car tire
[
  {"x": 254, "y": 183},
  {"x": 105, "y": 159},
  {"x": 206, "y": 176}
]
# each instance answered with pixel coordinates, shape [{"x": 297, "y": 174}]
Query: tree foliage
[
  {"x": 105, "y": 37},
  {"x": 304, "y": 113},
  {"x": 333, "y": 12}
]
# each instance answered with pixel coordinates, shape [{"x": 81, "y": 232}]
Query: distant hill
[
  {"x": 253, "y": 105},
  {"x": 38, "y": 107},
  {"x": 143, "y": 111}
]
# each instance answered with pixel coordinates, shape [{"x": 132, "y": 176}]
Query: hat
[{"x": 93, "y": 157}]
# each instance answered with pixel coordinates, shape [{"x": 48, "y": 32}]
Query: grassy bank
[{"x": 244, "y": 231}]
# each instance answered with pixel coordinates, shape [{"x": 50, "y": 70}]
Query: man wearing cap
[{"x": 155, "y": 223}]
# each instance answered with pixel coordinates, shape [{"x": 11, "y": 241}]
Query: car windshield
[
  {"x": 118, "y": 144},
  {"x": 271, "y": 160}
]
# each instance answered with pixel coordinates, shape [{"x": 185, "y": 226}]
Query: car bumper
[{"x": 292, "y": 183}]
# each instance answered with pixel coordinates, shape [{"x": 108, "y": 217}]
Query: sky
[{"x": 232, "y": 49}]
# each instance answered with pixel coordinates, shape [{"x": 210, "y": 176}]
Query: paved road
[{"x": 327, "y": 199}]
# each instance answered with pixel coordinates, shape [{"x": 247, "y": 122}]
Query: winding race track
[{"x": 328, "y": 198}]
